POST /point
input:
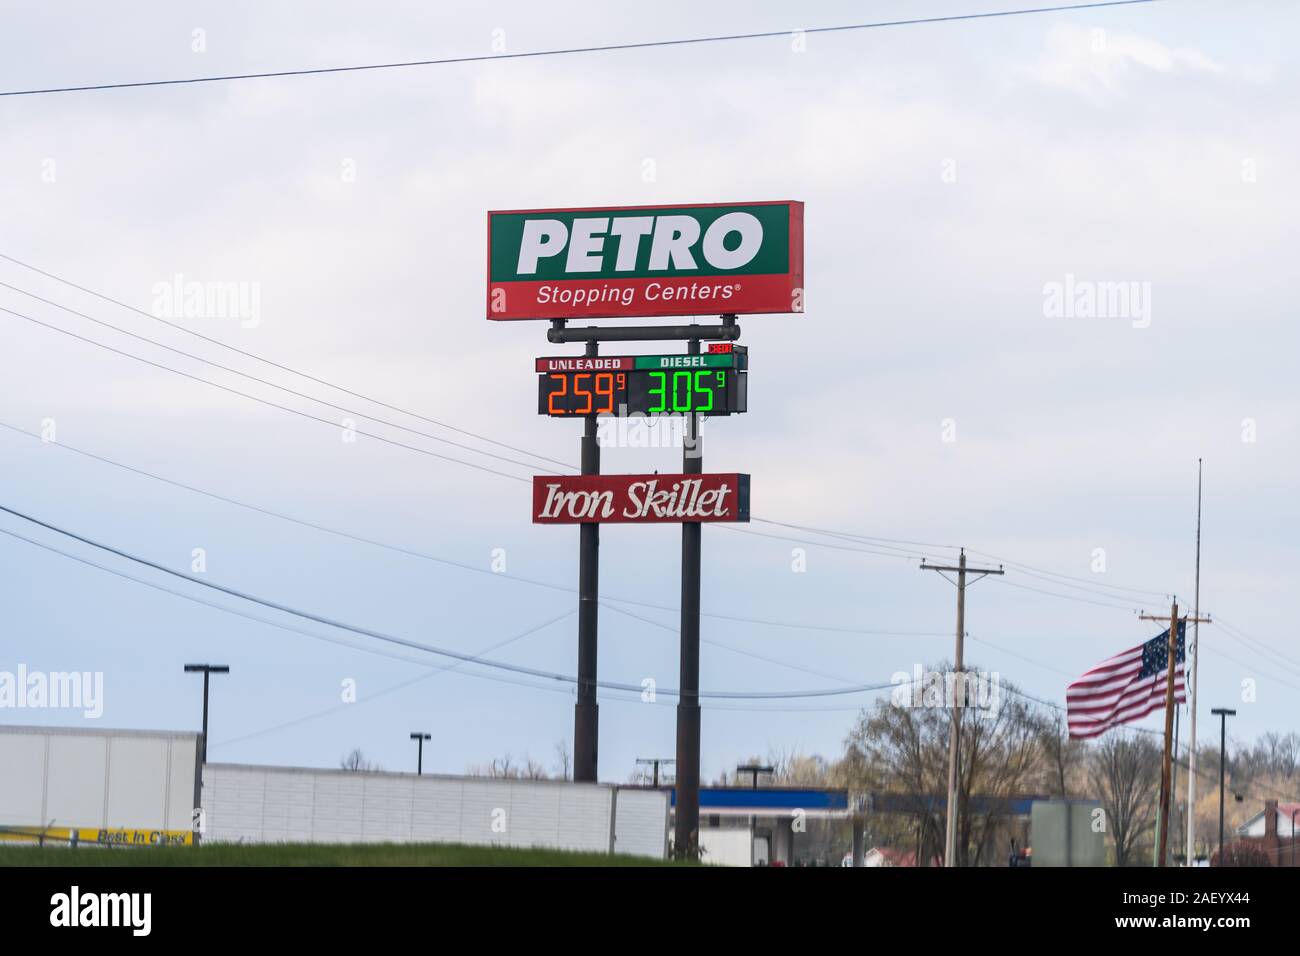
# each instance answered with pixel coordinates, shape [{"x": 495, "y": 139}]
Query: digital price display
[{"x": 711, "y": 384}]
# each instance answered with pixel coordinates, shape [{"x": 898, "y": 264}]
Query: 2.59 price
[{"x": 593, "y": 392}]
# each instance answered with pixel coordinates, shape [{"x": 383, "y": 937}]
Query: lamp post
[
  {"x": 419, "y": 739},
  {"x": 1223, "y": 714},
  {"x": 197, "y": 817},
  {"x": 206, "y": 670}
]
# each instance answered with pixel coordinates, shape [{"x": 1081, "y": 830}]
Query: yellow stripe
[{"x": 111, "y": 836}]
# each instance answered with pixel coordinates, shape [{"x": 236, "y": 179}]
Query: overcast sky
[{"x": 950, "y": 173}]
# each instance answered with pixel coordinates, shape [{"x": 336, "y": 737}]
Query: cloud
[{"x": 1101, "y": 65}]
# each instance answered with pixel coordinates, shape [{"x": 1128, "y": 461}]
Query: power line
[
  {"x": 539, "y": 583},
  {"x": 255, "y": 398},
  {"x": 861, "y": 538},
  {"x": 263, "y": 381},
  {"x": 392, "y": 639},
  {"x": 266, "y": 361},
  {"x": 877, "y": 542},
  {"x": 617, "y": 697},
  {"x": 1064, "y": 597},
  {"x": 908, "y": 555},
  {"x": 431, "y": 672},
  {"x": 570, "y": 51},
  {"x": 437, "y": 559},
  {"x": 1055, "y": 574},
  {"x": 817, "y": 544},
  {"x": 457, "y": 656},
  {"x": 1029, "y": 569},
  {"x": 727, "y": 647},
  {"x": 1237, "y": 633},
  {"x": 1226, "y": 656},
  {"x": 1027, "y": 660}
]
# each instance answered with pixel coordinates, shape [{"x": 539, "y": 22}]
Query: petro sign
[
  {"x": 605, "y": 499},
  {"x": 629, "y": 261}
]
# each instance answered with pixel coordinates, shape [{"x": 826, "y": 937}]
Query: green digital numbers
[
  {"x": 702, "y": 386},
  {"x": 682, "y": 403},
  {"x": 661, "y": 391}
]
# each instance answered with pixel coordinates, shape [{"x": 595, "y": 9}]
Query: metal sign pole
[
  {"x": 687, "y": 827},
  {"x": 585, "y": 734},
  {"x": 586, "y": 713}
]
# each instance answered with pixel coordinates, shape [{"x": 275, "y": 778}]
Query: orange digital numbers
[
  {"x": 579, "y": 391},
  {"x": 564, "y": 386},
  {"x": 605, "y": 388}
]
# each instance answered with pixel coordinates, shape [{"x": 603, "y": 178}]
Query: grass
[{"x": 304, "y": 854}]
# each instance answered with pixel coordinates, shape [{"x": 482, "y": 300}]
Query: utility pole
[
  {"x": 1166, "y": 765},
  {"x": 959, "y": 695},
  {"x": 586, "y": 714},
  {"x": 655, "y": 762},
  {"x": 419, "y": 739},
  {"x": 1192, "y": 699},
  {"x": 1173, "y": 781},
  {"x": 1223, "y": 714}
]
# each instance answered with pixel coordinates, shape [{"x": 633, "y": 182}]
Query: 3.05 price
[{"x": 684, "y": 391}]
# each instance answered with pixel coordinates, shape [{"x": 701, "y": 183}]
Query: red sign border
[{"x": 794, "y": 276}]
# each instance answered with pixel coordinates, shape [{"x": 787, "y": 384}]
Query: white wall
[
  {"x": 641, "y": 823},
  {"x": 732, "y": 846},
  {"x": 283, "y": 804},
  {"x": 51, "y": 776}
]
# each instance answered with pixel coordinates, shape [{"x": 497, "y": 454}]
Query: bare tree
[
  {"x": 902, "y": 746},
  {"x": 506, "y": 768},
  {"x": 564, "y": 760},
  {"x": 1125, "y": 774},
  {"x": 1063, "y": 756},
  {"x": 356, "y": 762}
]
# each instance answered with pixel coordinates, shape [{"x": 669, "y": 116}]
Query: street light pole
[
  {"x": 206, "y": 670},
  {"x": 1223, "y": 714},
  {"x": 201, "y": 757},
  {"x": 419, "y": 739}
]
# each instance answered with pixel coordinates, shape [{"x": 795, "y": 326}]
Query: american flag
[{"x": 1126, "y": 687}]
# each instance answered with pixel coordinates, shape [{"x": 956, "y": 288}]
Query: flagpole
[{"x": 1193, "y": 700}]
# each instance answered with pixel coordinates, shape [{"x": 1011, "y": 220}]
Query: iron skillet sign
[
  {"x": 606, "y": 499},
  {"x": 629, "y": 261}
]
